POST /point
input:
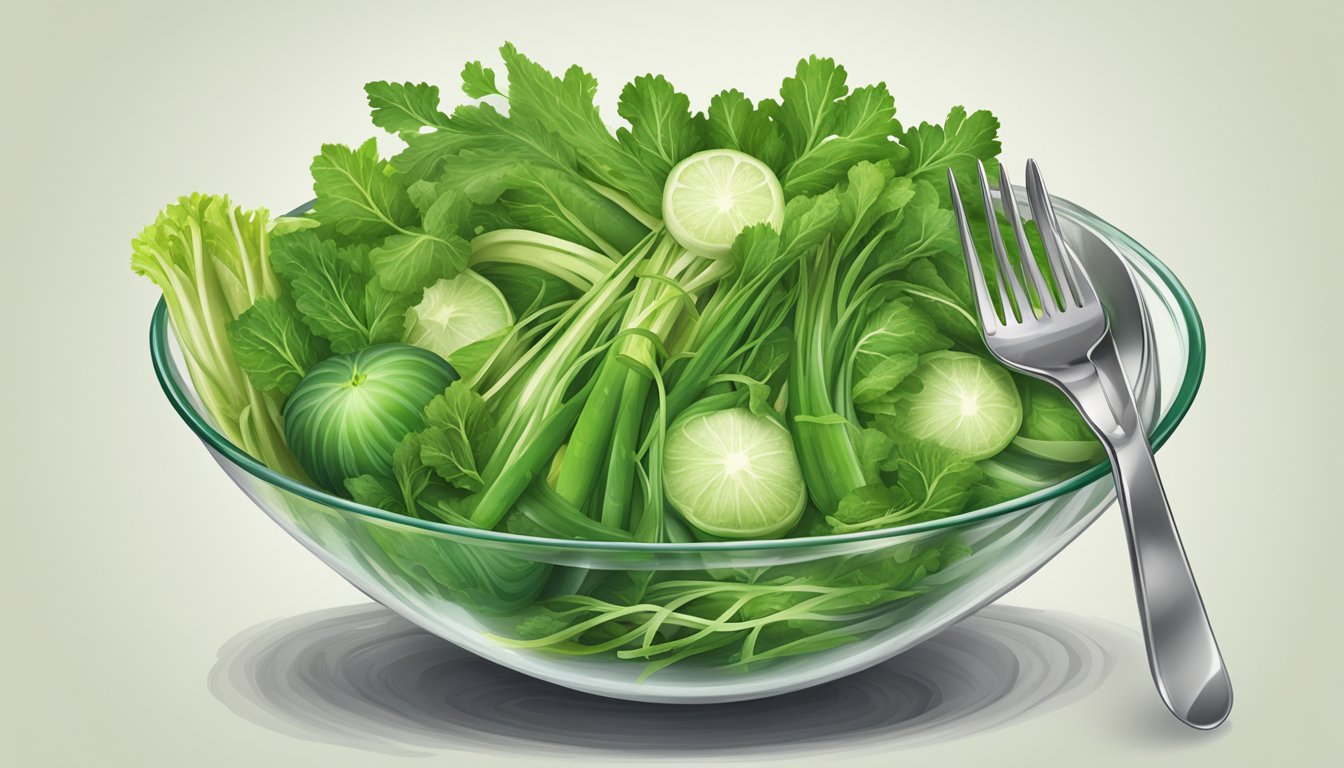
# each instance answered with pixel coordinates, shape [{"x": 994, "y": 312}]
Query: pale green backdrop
[{"x": 1210, "y": 132}]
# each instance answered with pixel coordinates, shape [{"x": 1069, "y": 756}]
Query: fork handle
[{"x": 1182, "y": 653}]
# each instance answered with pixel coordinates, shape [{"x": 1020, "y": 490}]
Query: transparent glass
[{"x": 771, "y": 616}]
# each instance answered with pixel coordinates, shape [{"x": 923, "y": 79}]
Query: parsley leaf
[
  {"x": 405, "y": 107},
  {"x": 734, "y": 123},
  {"x": 272, "y": 346},
  {"x": 827, "y": 129},
  {"x": 931, "y": 482},
  {"x": 564, "y": 106},
  {"x": 385, "y": 312},
  {"x": 415, "y": 260},
  {"x": 554, "y": 203},
  {"x": 334, "y": 294},
  {"x": 924, "y": 229},
  {"x": 871, "y": 194},
  {"x": 808, "y": 221},
  {"x": 455, "y": 442},
  {"x": 957, "y": 144},
  {"x": 862, "y": 506},
  {"x": 662, "y": 129},
  {"x": 372, "y": 491},
  {"x": 478, "y": 80},
  {"x": 939, "y": 478},
  {"x": 865, "y": 125},
  {"x": 809, "y": 108},
  {"x": 355, "y": 193},
  {"x": 480, "y": 128}
]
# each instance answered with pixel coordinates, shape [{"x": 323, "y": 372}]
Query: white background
[{"x": 1209, "y": 132}]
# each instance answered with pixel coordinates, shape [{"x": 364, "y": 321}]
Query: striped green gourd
[{"x": 350, "y": 411}]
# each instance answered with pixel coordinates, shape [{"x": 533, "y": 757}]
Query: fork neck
[{"x": 1106, "y": 405}]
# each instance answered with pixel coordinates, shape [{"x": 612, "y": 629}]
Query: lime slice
[
  {"x": 967, "y": 404},
  {"x": 713, "y": 195},
  {"x": 734, "y": 474},
  {"x": 455, "y": 312}
]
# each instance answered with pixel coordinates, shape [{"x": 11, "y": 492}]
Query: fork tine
[
  {"x": 1029, "y": 265},
  {"x": 1086, "y": 293},
  {"x": 1007, "y": 275},
  {"x": 1043, "y": 212},
  {"x": 989, "y": 319}
]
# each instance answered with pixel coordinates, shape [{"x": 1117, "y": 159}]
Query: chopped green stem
[
  {"x": 827, "y": 452},
  {"x": 505, "y": 488},
  {"x": 558, "y": 518},
  {"x": 652, "y": 312},
  {"x": 592, "y": 434},
  {"x": 622, "y": 459},
  {"x": 573, "y": 263}
]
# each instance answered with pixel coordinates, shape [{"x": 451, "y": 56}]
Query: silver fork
[{"x": 1069, "y": 344}]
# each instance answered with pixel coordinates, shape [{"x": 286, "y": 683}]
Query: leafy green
[
  {"x": 880, "y": 386},
  {"x": 1052, "y": 428},
  {"x": 356, "y": 196},
  {"x": 827, "y": 129},
  {"x": 662, "y": 129},
  {"x": 876, "y": 502},
  {"x": 333, "y": 291},
  {"x": 273, "y": 346},
  {"x": 478, "y": 81},
  {"x": 888, "y": 350},
  {"x": 409, "y": 262},
  {"x": 931, "y": 482},
  {"x": 527, "y": 176},
  {"x": 455, "y": 443},
  {"x": 481, "y": 579},
  {"x": 411, "y": 473},
  {"x": 1048, "y": 414},
  {"x": 545, "y": 200},
  {"x": 399, "y": 107},
  {"x": 925, "y": 231},
  {"x": 373, "y": 491},
  {"x": 895, "y": 327},
  {"x": 939, "y": 479},
  {"x": 734, "y": 123},
  {"x": 736, "y": 619},
  {"x": 957, "y": 144},
  {"x": 210, "y": 259},
  {"x": 559, "y": 424},
  {"x": 565, "y": 107}
]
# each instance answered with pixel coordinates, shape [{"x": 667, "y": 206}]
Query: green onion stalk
[
  {"x": 832, "y": 291},
  {"x": 530, "y": 401},
  {"x": 601, "y": 451}
]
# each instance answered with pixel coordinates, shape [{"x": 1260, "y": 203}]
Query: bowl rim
[{"x": 161, "y": 356}]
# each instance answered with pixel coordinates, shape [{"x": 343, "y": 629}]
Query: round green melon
[{"x": 350, "y": 411}]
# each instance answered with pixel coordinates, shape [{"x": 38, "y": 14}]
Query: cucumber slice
[
  {"x": 733, "y": 474},
  {"x": 455, "y": 312},
  {"x": 713, "y": 195},
  {"x": 966, "y": 404}
]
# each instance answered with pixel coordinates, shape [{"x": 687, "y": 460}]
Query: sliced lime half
[
  {"x": 967, "y": 404},
  {"x": 734, "y": 474},
  {"x": 713, "y": 195}
]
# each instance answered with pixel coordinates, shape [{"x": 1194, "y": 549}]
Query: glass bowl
[{"x": 713, "y": 621}]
